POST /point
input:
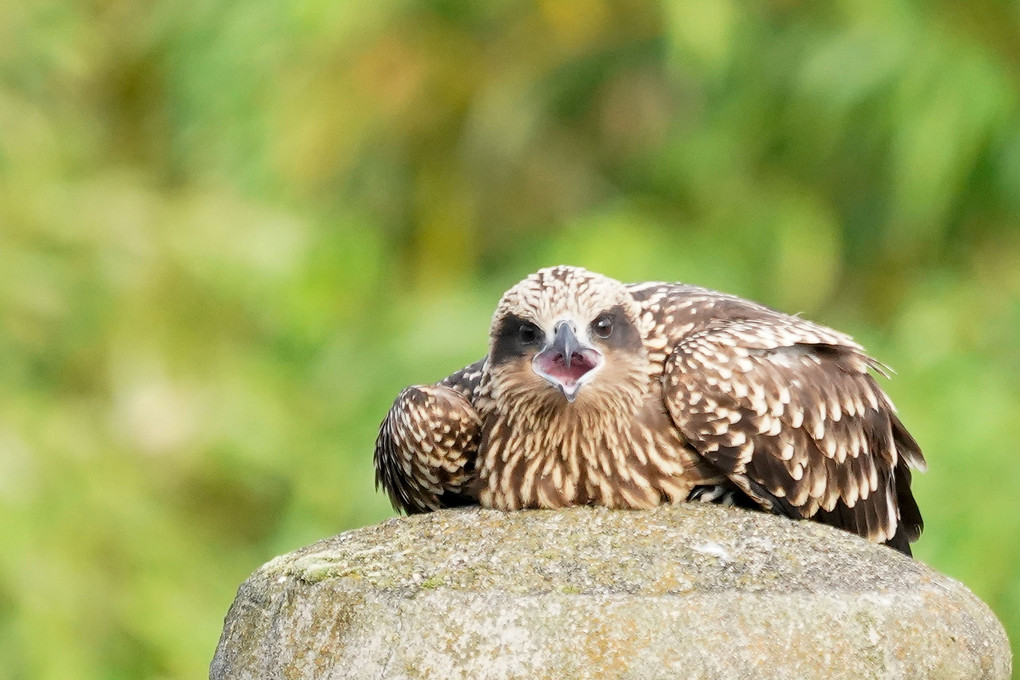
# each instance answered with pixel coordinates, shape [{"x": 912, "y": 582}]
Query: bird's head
[{"x": 565, "y": 335}]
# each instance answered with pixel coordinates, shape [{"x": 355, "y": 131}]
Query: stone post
[{"x": 689, "y": 591}]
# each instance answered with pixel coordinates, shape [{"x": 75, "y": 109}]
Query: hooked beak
[{"x": 567, "y": 363}]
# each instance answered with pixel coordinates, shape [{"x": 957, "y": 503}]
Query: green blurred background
[{"x": 231, "y": 232}]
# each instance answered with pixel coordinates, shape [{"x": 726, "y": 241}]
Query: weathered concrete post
[{"x": 690, "y": 591}]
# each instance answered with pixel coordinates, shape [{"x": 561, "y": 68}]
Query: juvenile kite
[{"x": 596, "y": 392}]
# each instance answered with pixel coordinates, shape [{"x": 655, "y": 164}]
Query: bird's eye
[
  {"x": 527, "y": 334},
  {"x": 603, "y": 326}
]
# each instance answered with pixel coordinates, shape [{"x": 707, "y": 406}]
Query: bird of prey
[{"x": 595, "y": 392}]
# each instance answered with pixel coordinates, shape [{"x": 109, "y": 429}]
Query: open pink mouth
[{"x": 554, "y": 365}]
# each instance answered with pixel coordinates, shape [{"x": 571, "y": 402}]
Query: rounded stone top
[
  {"x": 670, "y": 550},
  {"x": 691, "y": 590}
]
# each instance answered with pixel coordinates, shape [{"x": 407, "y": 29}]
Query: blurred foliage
[{"x": 230, "y": 232}]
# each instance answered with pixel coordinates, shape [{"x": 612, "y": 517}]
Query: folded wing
[
  {"x": 427, "y": 445},
  {"x": 790, "y": 412}
]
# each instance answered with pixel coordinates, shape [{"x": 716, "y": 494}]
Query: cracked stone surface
[{"x": 690, "y": 591}]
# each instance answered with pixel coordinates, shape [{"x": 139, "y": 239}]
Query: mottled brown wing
[
  {"x": 790, "y": 412},
  {"x": 426, "y": 449}
]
